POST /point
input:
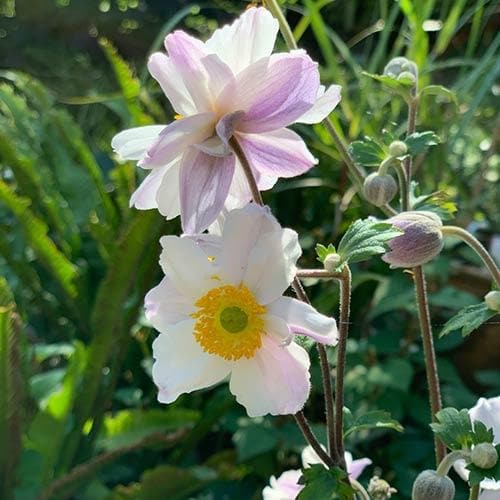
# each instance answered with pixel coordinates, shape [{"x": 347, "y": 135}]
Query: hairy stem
[
  {"x": 410, "y": 129},
  {"x": 285, "y": 29},
  {"x": 312, "y": 439},
  {"x": 429, "y": 353},
  {"x": 302, "y": 295},
  {"x": 476, "y": 245},
  {"x": 445, "y": 465},
  {"x": 345, "y": 310}
]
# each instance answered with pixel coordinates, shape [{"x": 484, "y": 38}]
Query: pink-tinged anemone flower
[
  {"x": 229, "y": 86},
  {"x": 486, "y": 411},
  {"x": 221, "y": 312},
  {"x": 287, "y": 487}
]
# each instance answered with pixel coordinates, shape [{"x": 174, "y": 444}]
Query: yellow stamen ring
[{"x": 229, "y": 322}]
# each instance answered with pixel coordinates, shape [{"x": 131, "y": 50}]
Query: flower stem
[
  {"x": 474, "y": 243},
  {"x": 474, "y": 492},
  {"x": 445, "y": 464},
  {"x": 410, "y": 129},
  {"x": 318, "y": 273},
  {"x": 359, "y": 489},
  {"x": 345, "y": 310},
  {"x": 285, "y": 29},
  {"x": 312, "y": 439},
  {"x": 429, "y": 353},
  {"x": 302, "y": 295}
]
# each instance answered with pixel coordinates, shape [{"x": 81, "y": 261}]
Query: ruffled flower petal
[
  {"x": 204, "y": 185},
  {"x": 275, "y": 380},
  {"x": 281, "y": 153},
  {"x": 181, "y": 366},
  {"x": 304, "y": 319},
  {"x": 246, "y": 40}
]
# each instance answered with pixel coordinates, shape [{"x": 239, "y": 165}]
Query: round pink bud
[
  {"x": 431, "y": 486},
  {"x": 421, "y": 242}
]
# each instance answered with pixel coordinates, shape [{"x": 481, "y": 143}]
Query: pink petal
[
  {"x": 181, "y": 365},
  {"x": 275, "y": 380},
  {"x": 356, "y": 467},
  {"x": 177, "y": 137},
  {"x": 227, "y": 124},
  {"x": 144, "y": 197},
  {"x": 280, "y": 153},
  {"x": 162, "y": 69},
  {"x": 273, "y": 92},
  {"x": 218, "y": 74},
  {"x": 247, "y": 40},
  {"x": 185, "y": 53},
  {"x": 286, "y": 487},
  {"x": 324, "y": 105},
  {"x": 204, "y": 186},
  {"x": 304, "y": 319}
]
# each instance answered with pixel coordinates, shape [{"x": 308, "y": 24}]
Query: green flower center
[{"x": 233, "y": 319}]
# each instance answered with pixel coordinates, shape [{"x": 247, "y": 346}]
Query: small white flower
[{"x": 221, "y": 312}]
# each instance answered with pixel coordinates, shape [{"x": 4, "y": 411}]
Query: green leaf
[
  {"x": 128, "y": 426},
  {"x": 440, "y": 91},
  {"x": 438, "y": 202},
  {"x": 401, "y": 86},
  {"x": 35, "y": 230},
  {"x": 481, "y": 433},
  {"x": 454, "y": 428},
  {"x": 322, "y": 252},
  {"x": 368, "y": 152},
  {"x": 365, "y": 238},
  {"x": 11, "y": 390},
  {"x": 419, "y": 141},
  {"x": 375, "y": 419},
  {"x": 468, "y": 319},
  {"x": 325, "y": 484},
  {"x": 477, "y": 474}
]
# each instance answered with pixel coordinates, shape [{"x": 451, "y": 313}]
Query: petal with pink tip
[
  {"x": 275, "y": 380},
  {"x": 247, "y": 40},
  {"x": 281, "y": 153},
  {"x": 181, "y": 365},
  {"x": 162, "y": 69},
  {"x": 204, "y": 186},
  {"x": 274, "y": 91},
  {"x": 304, "y": 319},
  {"x": 177, "y": 137},
  {"x": 325, "y": 103}
]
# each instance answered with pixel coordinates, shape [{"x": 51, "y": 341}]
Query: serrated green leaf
[
  {"x": 401, "y": 86},
  {"x": 418, "y": 142},
  {"x": 366, "y": 238},
  {"x": 468, "y": 319},
  {"x": 481, "y": 433},
  {"x": 325, "y": 484},
  {"x": 438, "y": 202},
  {"x": 440, "y": 91},
  {"x": 477, "y": 474},
  {"x": 368, "y": 152},
  {"x": 454, "y": 428},
  {"x": 322, "y": 252},
  {"x": 375, "y": 419}
]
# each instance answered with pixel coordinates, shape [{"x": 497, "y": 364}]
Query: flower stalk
[{"x": 447, "y": 462}]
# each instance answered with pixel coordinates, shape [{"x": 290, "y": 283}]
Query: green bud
[
  {"x": 379, "y": 189},
  {"x": 399, "y": 65},
  {"x": 492, "y": 300},
  {"x": 398, "y": 148},
  {"x": 430, "y": 486},
  {"x": 407, "y": 76},
  {"x": 331, "y": 262},
  {"x": 484, "y": 455}
]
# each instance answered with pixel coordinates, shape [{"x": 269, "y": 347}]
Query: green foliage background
[{"x": 78, "y": 409}]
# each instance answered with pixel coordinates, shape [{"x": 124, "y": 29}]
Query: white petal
[
  {"x": 249, "y": 38},
  {"x": 186, "y": 265},
  {"x": 167, "y": 194},
  {"x": 144, "y": 197},
  {"x": 242, "y": 230},
  {"x": 310, "y": 457},
  {"x": 303, "y": 318},
  {"x": 275, "y": 380},
  {"x": 132, "y": 144},
  {"x": 277, "y": 328},
  {"x": 165, "y": 306},
  {"x": 181, "y": 366},
  {"x": 324, "y": 105},
  {"x": 271, "y": 265},
  {"x": 488, "y": 412},
  {"x": 286, "y": 487}
]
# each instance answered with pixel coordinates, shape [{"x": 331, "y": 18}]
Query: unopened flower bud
[
  {"x": 379, "y": 189},
  {"x": 430, "y": 486},
  {"x": 331, "y": 262},
  {"x": 400, "y": 65},
  {"x": 407, "y": 76},
  {"x": 380, "y": 489},
  {"x": 492, "y": 300},
  {"x": 421, "y": 242},
  {"x": 397, "y": 148},
  {"x": 484, "y": 455}
]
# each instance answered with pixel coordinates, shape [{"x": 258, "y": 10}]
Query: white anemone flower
[
  {"x": 486, "y": 411},
  {"x": 221, "y": 312}
]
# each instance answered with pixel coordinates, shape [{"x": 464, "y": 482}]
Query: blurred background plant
[{"x": 78, "y": 411}]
